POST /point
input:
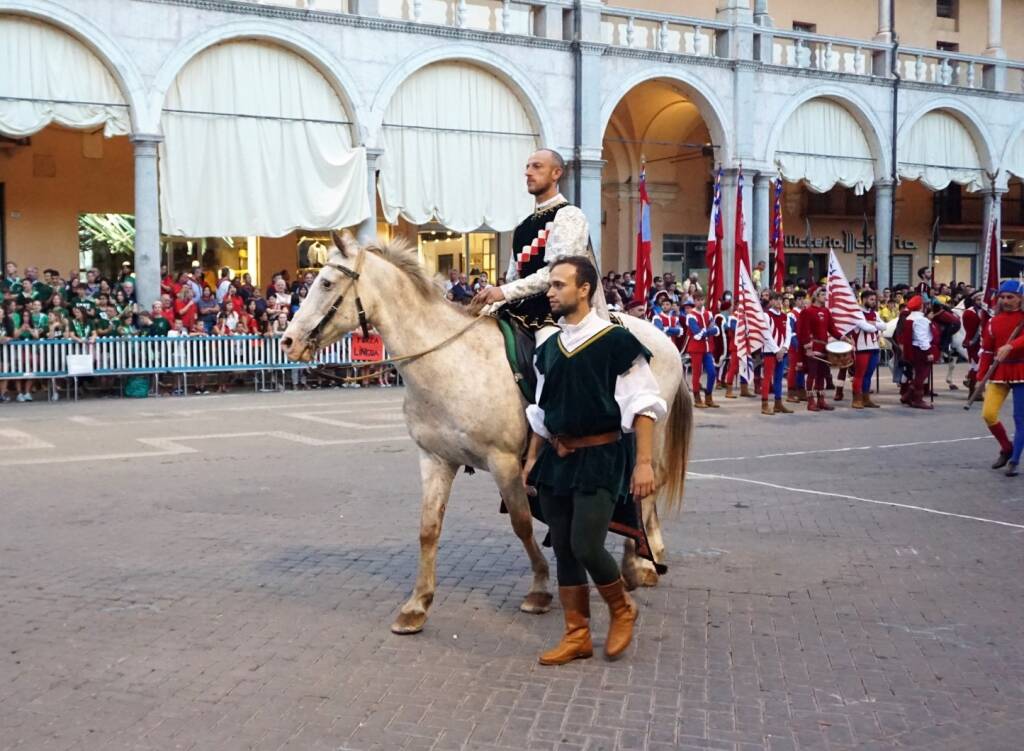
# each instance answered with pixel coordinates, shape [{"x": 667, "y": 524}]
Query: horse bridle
[{"x": 353, "y": 277}]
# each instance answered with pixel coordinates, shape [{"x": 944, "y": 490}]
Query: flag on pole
[
  {"x": 991, "y": 266},
  {"x": 644, "y": 275},
  {"x": 713, "y": 254},
  {"x": 742, "y": 254},
  {"x": 752, "y": 324},
  {"x": 846, "y": 311},
  {"x": 778, "y": 239}
]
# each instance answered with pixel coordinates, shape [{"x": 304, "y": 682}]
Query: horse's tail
[{"x": 675, "y": 449}]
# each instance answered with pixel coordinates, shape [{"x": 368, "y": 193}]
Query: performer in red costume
[
  {"x": 1002, "y": 343},
  {"x": 975, "y": 317},
  {"x": 865, "y": 342},
  {"x": 796, "y": 379},
  {"x": 774, "y": 353},
  {"x": 816, "y": 325},
  {"x": 701, "y": 329},
  {"x": 920, "y": 347}
]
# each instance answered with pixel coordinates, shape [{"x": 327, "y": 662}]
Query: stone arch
[
  {"x": 966, "y": 116},
  {"x": 503, "y": 68},
  {"x": 274, "y": 33},
  {"x": 875, "y": 133},
  {"x": 113, "y": 57},
  {"x": 710, "y": 107}
]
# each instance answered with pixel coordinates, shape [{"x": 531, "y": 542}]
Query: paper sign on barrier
[
  {"x": 370, "y": 349},
  {"x": 79, "y": 365}
]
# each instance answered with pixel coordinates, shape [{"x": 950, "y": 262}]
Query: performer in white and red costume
[
  {"x": 775, "y": 354},
  {"x": 865, "y": 343},
  {"x": 700, "y": 328}
]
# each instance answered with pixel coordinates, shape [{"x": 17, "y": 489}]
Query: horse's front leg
[
  {"x": 436, "y": 476},
  {"x": 637, "y": 571},
  {"x": 506, "y": 470}
]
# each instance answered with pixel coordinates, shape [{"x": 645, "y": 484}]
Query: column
[
  {"x": 883, "y": 231},
  {"x": 761, "y": 17},
  {"x": 995, "y": 29},
  {"x": 884, "y": 26},
  {"x": 367, "y": 231},
  {"x": 992, "y": 207},
  {"x": 365, "y": 7},
  {"x": 760, "y": 224},
  {"x": 736, "y": 43},
  {"x": 590, "y": 201},
  {"x": 147, "y": 219}
]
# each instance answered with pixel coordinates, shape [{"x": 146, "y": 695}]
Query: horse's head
[{"x": 332, "y": 308}]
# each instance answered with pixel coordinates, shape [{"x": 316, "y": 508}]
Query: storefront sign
[
  {"x": 847, "y": 242},
  {"x": 367, "y": 350}
]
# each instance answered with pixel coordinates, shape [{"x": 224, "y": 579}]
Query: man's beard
[
  {"x": 566, "y": 309},
  {"x": 538, "y": 190}
]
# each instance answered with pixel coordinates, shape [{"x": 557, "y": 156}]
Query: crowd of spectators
[{"x": 85, "y": 305}]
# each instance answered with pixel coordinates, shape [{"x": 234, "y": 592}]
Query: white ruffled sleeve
[
  {"x": 534, "y": 414},
  {"x": 636, "y": 392}
]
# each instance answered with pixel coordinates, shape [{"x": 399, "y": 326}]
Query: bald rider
[{"x": 555, "y": 228}]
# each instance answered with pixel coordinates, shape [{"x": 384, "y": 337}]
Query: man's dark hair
[
  {"x": 585, "y": 272},
  {"x": 920, "y": 272},
  {"x": 555, "y": 157},
  {"x": 774, "y": 296}
]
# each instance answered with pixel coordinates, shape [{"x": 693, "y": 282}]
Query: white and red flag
[
  {"x": 752, "y": 324},
  {"x": 990, "y": 273},
  {"x": 742, "y": 255},
  {"x": 713, "y": 253},
  {"x": 843, "y": 304},
  {"x": 778, "y": 240},
  {"x": 644, "y": 275}
]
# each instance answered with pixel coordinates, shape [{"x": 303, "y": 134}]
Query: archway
[
  {"x": 453, "y": 174},
  {"x": 661, "y": 124}
]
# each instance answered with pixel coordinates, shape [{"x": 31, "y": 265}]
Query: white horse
[{"x": 462, "y": 405}]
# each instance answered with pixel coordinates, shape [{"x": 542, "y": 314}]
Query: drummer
[{"x": 816, "y": 326}]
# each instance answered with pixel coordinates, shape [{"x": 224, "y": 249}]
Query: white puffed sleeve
[
  {"x": 567, "y": 235},
  {"x": 534, "y": 414},
  {"x": 637, "y": 391}
]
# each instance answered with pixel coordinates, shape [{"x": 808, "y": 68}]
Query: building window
[
  {"x": 681, "y": 254},
  {"x": 947, "y": 46},
  {"x": 810, "y": 28},
  {"x": 946, "y": 8},
  {"x": 901, "y": 266},
  {"x": 840, "y": 202}
]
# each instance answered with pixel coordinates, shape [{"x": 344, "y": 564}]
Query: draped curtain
[
  {"x": 1015, "y": 159},
  {"x": 823, "y": 145},
  {"x": 257, "y": 142},
  {"x": 48, "y": 76},
  {"x": 456, "y": 142},
  {"x": 938, "y": 151}
]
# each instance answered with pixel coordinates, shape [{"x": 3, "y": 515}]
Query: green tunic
[{"x": 578, "y": 399}]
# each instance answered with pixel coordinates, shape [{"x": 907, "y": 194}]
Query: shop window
[
  {"x": 471, "y": 254},
  {"x": 840, "y": 202},
  {"x": 902, "y": 265},
  {"x": 210, "y": 254},
  {"x": 947, "y": 46},
  {"x": 681, "y": 254},
  {"x": 946, "y": 8}
]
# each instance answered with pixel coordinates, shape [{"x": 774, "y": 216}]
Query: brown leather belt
[{"x": 567, "y": 444}]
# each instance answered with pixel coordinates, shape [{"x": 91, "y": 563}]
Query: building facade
[{"x": 236, "y": 133}]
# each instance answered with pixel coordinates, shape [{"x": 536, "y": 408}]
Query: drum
[{"x": 839, "y": 354}]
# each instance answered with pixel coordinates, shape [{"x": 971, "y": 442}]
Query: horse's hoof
[
  {"x": 648, "y": 578},
  {"x": 409, "y": 623},
  {"x": 536, "y": 603}
]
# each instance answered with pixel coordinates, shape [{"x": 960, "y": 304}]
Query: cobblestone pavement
[{"x": 221, "y": 572}]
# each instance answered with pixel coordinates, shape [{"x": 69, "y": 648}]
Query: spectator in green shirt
[
  {"x": 83, "y": 303},
  {"x": 80, "y": 329}
]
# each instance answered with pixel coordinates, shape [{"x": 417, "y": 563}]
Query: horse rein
[{"x": 364, "y": 323}]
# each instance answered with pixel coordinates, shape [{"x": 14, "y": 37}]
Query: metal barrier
[{"x": 48, "y": 358}]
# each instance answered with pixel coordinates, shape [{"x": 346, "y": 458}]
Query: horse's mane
[{"x": 401, "y": 254}]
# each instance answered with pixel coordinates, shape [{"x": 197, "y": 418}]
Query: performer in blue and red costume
[
  {"x": 700, "y": 329},
  {"x": 1002, "y": 344}
]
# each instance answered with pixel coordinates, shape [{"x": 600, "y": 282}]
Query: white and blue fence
[{"x": 48, "y": 358}]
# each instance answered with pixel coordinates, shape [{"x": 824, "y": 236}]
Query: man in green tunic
[{"x": 594, "y": 386}]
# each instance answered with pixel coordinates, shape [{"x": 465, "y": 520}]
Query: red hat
[{"x": 914, "y": 303}]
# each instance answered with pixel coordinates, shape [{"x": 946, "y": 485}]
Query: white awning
[
  {"x": 48, "y": 76},
  {"x": 456, "y": 142},
  {"x": 257, "y": 142},
  {"x": 1015, "y": 158},
  {"x": 938, "y": 151},
  {"x": 822, "y": 145}
]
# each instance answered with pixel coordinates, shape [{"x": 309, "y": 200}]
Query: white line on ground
[
  {"x": 174, "y": 446},
  {"x": 836, "y": 451},
  {"x": 205, "y": 414},
  {"x": 762, "y": 483},
  {"x": 18, "y": 439},
  {"x": 318, "y": 418}
]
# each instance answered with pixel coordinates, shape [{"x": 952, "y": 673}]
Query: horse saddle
[{"x": 519, "y": 348}]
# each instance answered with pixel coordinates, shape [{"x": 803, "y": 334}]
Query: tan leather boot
[
  {"x": 728, "y": 392},
  {"x": 576, "y": 643},
  {"x": 622, "y": 613},
  {"x": 858, "y": 401},
  {"x": 766, "y": 407},
  {"x": 709, "y": 401},
  {"x": 868, "y": 403},
  {"x": 781, "y": 408},
  {"x": 698, "y": 400},
  {"x": 745, "y": 391}
]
